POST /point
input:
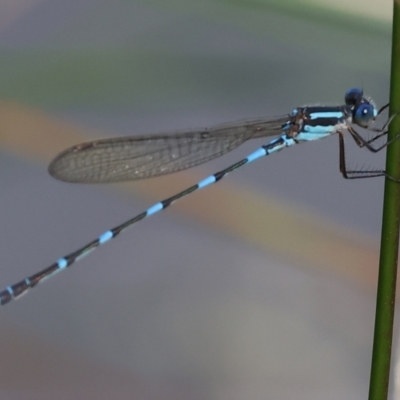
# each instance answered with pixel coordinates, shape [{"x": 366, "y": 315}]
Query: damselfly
[{"x": 139, "y": 157}]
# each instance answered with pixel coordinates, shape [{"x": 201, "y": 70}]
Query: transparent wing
[{"x": 138, "y": 157}]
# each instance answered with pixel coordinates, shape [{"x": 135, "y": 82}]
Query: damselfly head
[{"x": 362, "y": 108}]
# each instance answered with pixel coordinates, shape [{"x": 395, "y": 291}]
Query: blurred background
[{"x": 260, "y": 287}]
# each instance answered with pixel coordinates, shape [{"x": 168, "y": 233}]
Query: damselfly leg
[{"x": 361, "y": 142}]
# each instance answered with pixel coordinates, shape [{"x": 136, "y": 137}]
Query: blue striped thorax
[{"x": 312, "y": 123}]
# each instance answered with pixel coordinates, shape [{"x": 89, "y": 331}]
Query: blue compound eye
[
  {"x": 353, "y": 96},
  {"x": 364, "y": 114}
]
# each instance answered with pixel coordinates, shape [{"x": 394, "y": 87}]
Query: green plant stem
[{"x": 380, "y": 368}]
